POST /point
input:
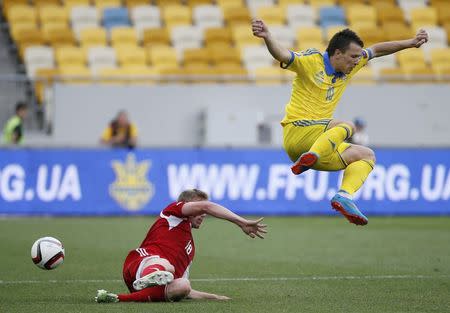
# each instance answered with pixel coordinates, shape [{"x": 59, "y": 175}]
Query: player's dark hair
[
  {"x": 342, "y": 40},
  {"x": 21, "y": 106},
  {"x": 192, "y": 195}
]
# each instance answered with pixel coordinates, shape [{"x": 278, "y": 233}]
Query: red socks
[{"x": 152, "y": 294}]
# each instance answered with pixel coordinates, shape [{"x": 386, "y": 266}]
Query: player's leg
[
  {"x": 325, "y": 145},
  {"x": 153, "y": 271},
  {"x": 359, "y": 163}
]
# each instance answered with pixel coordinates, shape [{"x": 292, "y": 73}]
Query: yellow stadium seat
[
  {"x": 215, "y": 35},
  {"x": 443, "y": 12},
  {"x": 193, "y": 3},
  {"x": 162, "y": 56},
  {"x": 111, "y": 76},
  {"x": 242, "y": 35},
  {"x": 200, "y": 74},
  {"x": 69, "y": 4},
  {"x": 331, "y": 31},
  {"x": 134, "y": 3},
  {"x": 440, "y": 56},
  {"x": 423, "y": 17},
  {"x": 102, "y": 4},
  {"x": 272, "y": 15},
  {"x": 28, "y": 37},
  {"x": 411, "y": 59},
  {"x": 54, "y": 14},
  {"x": 229, "y": 56},
  {"x": 232, "y": 74},
  {"x": 196, "y": 57},
  {"x": 310, "y": 33},
  {"x": 321, "y": 3},
  {"x": 131, "y": 56},
  {"x": 442, "y": 73},
  {"x": 397, "y": 31},
  {"x": 175, "y": 15},
  {"x": 370, "y": 34},
  {"x": 164, "y": 3},
  {"x": 268, "y": 75},
  {"x": 390, "y": 14},
  {"x": 236, "y": 15},
  {"x": 156, "y": 36},
  {"x": 123, "y": 36},
  {"x": 57, "y": 35},
  {"x": 361, "y": 13},
  {"x": 70, "y": 56},
  {"x": 95, "y": 36},
  {"x": 22, "y": 14},
  {"x": 7, "y": 4},
  {"x": 141, "y": 74},
  {"x": 365, "y": 76},
  {"x": 285, "y": 3},
  {"x": 347, "y": 3},
  {"x": 382, "y": 2},
  {"x": 43, "y": 3},
  {"x": 230, "y": 3},
  {"x": 44, "y": 78},
  {"x": 75, "y": 75}
]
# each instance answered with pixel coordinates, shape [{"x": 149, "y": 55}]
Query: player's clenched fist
[
  {"x": 259, "y": 29},
  {"x": 420, "y": 39}
]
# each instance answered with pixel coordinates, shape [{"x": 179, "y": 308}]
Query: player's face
[
  {"x": 349, "y": 59},
  {"x": 196, "y": 221}
]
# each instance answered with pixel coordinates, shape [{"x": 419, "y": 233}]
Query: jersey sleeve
[
  {"x": 107, "y": 134},
  {"x": 299, "y": 62},
  {"x": 133, "y": 131},
  {"x": 367, "y": 54},
  {"x": 174, "y": 209}
]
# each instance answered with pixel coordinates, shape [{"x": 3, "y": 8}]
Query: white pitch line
[{"x": 299, "y": 278}]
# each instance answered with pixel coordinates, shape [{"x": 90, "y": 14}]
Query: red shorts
[{"x": 132, "y": 264}]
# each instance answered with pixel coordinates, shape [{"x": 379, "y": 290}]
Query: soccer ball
[{"x": 47, "y": 253}]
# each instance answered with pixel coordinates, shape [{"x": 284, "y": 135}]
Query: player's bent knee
[{"x": 178, "y": 289}]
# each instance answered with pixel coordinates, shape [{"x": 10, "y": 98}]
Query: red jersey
[{"x": 170, "y": 237}]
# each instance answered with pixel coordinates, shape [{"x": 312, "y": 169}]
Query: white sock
[{"x": 345, "y": 194}]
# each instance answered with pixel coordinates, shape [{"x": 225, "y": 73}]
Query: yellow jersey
[{"x": 317, "y": 88}]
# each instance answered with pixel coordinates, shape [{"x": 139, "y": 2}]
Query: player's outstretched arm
[
  {"x": 385, "y": 48},
  {"x": 279, "y": 52},
  {"x": 195, "y": 294},
  {"x": 253, "y": 228}
]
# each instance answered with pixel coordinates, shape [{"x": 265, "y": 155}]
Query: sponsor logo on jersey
[{"x": 131, "y": 189}]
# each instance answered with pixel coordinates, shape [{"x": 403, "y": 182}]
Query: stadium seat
[
  {"x": 300, "y": 15},
  {"x": 437, "y": 38},
  {"x": 43, "y": 3},
  {"x": 236, "y": 16},
  {"x": 223, "y": 57},
  {"x": 196, "y": 57},
  {"x": 270, "y": 75},
  {"x": 285, "y": 35},
  {"x": 223, "y": 4},
  {"x": 176, "y": 15},
  {"x": 207, "y": 16},
  {"x": 382, "y": 2},
  {"x": 358, "y": 14},
  {"x": 232, "y": 74},
  {"x": 115, "y": 17},
  {"x": 370, "y": 34},
  {"x": 156, "y": 36},
  {"x": 111, "y": 76},
  {"x": 285, "y": 3},
  {"x": 123, "y": 36},
  {"x": 390, "y": 15},
  {"x": 144, "y": 17},
  {"x": 184, "y": 37},
  {"x": 387, "y": 61},
  {"x": 321, "y": 3},
  {"x": 7, "y": 4},
  {"x": 37, "y": 57},
  {"x": 254, "y": 5},
  {"x": 164, "y": 3},
  {"x": 411, "y": 59},
  {"x": 131, "y": 4},
  {"x": 347, "y": 3},
  {"x": 311, "y": 33},
  {"x": 28, "y": 36},
  {"x": 75, "y": 75},
  {"x": 162, "y": 56},
  {"x": 421, "y": 17},
  {"x": 440, "y": 57},
  {"x": 243, "y": 36},
  {"x": 131, "y": 56},
  {"x": 408, "y": 5},
  {"x": 331, "y": 16},
  {"x": 214, "y": 36},
  {"x": 55, "y": 35},
  {"x": 93, "y": 37},
  {"x": 70, "y": 56},
  {"x": 101, "y": 57},
  {"x": 255, "y": 56},
  {"x": 53, "y": 15},
  {"x": 141, "y": 74},
  {"x": 106, "y": 4},
  {"x": 443, "y": 12},
  {"x": 271, "y": 15},
  {"x": 70, "y": 4},
  {"x": 83, "y": 17},
  {"x": 194, "y": 3},
  {"x": 200, "y": 74},
  {"x": 397, "y": 31},
  {"x": 22, "y": 14}
]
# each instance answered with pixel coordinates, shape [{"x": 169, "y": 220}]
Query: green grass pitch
[{"x": 315, "y": 264}]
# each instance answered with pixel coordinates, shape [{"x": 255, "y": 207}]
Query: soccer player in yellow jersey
[{"x": 312, "y": 138}]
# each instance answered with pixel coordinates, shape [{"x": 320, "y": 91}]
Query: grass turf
[{"x": 391, "y": 265}]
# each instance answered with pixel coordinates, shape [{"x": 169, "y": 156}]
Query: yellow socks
[
  {"x": 355, "y": 175},
  {"x": 329, "y": 141}
]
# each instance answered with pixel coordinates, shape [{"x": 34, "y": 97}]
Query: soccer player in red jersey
[{"x": 159, "y": 269}]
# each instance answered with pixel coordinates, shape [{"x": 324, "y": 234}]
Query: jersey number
[
  {"x": 330, "y": 93},
  {"x": 188, "y": 248}
]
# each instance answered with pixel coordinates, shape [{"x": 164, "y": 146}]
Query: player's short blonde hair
[{"x": 190, "y": 195}]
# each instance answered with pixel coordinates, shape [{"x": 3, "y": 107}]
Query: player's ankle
[{"x": 345, "y": 194}]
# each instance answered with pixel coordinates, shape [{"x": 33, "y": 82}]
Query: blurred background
[{"x": 129, "y": 102}]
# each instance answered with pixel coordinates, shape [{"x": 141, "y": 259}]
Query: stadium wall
[
  {"x": 250, "y": 181},
  {"x": 229, "y": 115}
]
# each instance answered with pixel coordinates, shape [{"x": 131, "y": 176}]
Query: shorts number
[{"x": 330, "y": 93}]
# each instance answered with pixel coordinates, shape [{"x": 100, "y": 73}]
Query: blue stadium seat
[
  {"x": 115, "y": 17},
  {"x": 331, "y": 16}
]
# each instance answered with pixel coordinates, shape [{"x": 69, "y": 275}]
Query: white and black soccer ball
[{"x": 47, "y": 253}]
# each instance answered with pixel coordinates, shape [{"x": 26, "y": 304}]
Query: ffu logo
[{"x": 131, "y": 189}]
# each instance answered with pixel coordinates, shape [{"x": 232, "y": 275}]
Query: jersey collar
[{"x": 329, "y": 69}]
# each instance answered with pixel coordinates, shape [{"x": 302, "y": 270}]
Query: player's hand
[
  {"x": 254, "y": 228},
  {"x": 221, "y": 298},
  {"x": 420, "y": 38},
  {"x": 259, "y": 29}
]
